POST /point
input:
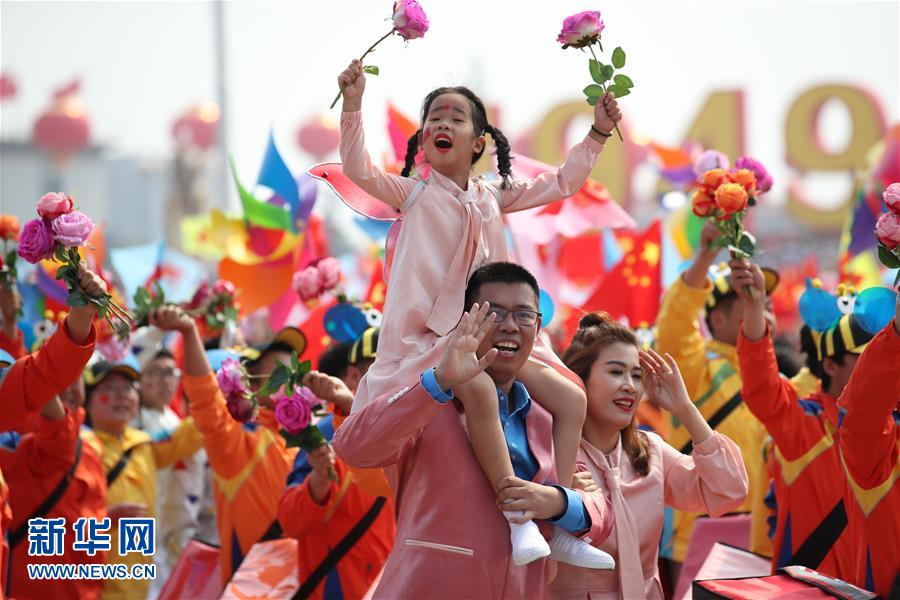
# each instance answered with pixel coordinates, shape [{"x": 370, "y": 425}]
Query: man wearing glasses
[
  {"x": 179, "y": 487},
  {"x": 452, "y": 539}
]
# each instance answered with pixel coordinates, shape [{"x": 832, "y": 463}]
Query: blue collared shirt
[{"x": 525, "y": 465}]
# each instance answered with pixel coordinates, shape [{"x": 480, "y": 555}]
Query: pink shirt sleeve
[
  {"x": 712, "y": 479},
  {"x": 359, "y": 168},
  {"x": 383, "y": 432},
  {"x": 553, "y": 185}
]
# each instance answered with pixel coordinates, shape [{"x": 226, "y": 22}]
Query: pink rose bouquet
[
  {"x": 408, "y": 20},
  {"x": 213, "y": 306},
  {"x": 294, "y": 414},
  {"x": 582, "y": 30},
  {"x": 57, "y": 234},
  {"x": 234, "y": 383},
  {"x": 887, "y": 230},
  {"x": 317, "y": 278}
]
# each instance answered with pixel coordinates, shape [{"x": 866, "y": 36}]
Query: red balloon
[{"x": 319, "y": 136}]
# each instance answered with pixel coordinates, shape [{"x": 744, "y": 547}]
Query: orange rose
[
  {"x": 713, "y": 178},
  {"x": 746, "y": 178},
  {"x": 731, "y": 198},
  {"x": 9, "y": 228},
  {"x": 703, "y": 205}
]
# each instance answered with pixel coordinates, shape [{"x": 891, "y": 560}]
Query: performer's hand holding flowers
[
  {"x": 56, "y": 235},
  {"x": 887, "y": 230}
]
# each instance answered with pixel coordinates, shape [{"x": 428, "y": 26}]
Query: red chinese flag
[{"x": 631, "y": 291}]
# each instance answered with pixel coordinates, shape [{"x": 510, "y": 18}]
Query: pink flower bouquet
[
  {"x": 317, "y": 278},
  {"x": 409, "y": 22},
  {"x": 57, "y": 234},
  {"x": 294, "y": 414},
  {"x": 583, "y": 30},
  {"x": 887, "y": 230}
]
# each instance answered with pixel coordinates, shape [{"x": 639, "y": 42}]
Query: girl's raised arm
[{"x": 357, "y": 164}]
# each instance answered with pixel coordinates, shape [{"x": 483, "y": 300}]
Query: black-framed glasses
[{"x": 520, "y": 316}]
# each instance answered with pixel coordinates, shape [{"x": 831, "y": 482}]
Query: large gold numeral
[
  {"x": 806, "y": 153},
  {"x": 720, "y": 123},
  {"x": 614, "y": 166}
]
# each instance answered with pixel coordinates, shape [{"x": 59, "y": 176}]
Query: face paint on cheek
[
  {"x": 426, "y": 135},
  {"x": 104, "y": 399}
]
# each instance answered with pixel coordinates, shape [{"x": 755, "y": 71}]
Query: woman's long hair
[{"x": 595, "y": 332}]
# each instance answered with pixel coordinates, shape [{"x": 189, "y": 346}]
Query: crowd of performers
[{"x": 467, "y": 457}]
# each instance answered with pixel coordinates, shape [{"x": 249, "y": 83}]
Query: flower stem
[
  {"x": 372, "y": 47},
  {"x": 603, "y": 87}
]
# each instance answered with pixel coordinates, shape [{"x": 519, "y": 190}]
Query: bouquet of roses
[
  {"x": 57, "y": 234},
  {"x": 409, "y": 22},
  {"x": 887, "y": 230},
  {"x": 725, "y": 195},
  {"x": 214, "y": 306},
  {"x": 9, "y": 233},
  {"x": 317, "y": 278},
  {"x": 295, "y": 405},
  {"x": 582, "y": 31}
]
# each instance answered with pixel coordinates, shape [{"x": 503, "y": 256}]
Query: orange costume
[
  {"x": 809, "y": 482},
  {"x": 25, "y": 387},
  {"x": 869, "y": 441},
  {"x": 250, "y": 467},
  {"x": 40, "y": 461},
  {"x": 15, "y": 346},
  {"x": 319, "y": 528}
]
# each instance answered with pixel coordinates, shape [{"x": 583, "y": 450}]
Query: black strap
[
  {"x": 119, "y": 467},
  {"x": 817, "y": 545},
  {"x": 47, "y": 505},
  {"x": 718, "y": 416},
  {"x": 274, "y": 532},
  {"x": 341, "y": 549}
]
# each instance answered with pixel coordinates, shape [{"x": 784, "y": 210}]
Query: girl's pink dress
[
  {"x": 712, "y": 480},
  {"x": 447, "y": 233}
]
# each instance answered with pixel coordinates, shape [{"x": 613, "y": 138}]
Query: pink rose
[
  {"x": 330, "y": 268},
  {"x": 709, "y": 160},
  {"x": 201, "y": 296},
  {"x": 54, "y": 204},
  {"x": 292, "y": 412},
  {"x": 231, "y": 377},
  {"x": 308, "y": 283},
  {"x": 763, "y": 179},
  {"x": 36, "y": 241},
  {"x": 887, "y": 229},
  {"x": 581, "y": 30},
  {"x": 72, "y": 229},
  {"x": 409, "y": 19},
  {"x": 241, "y": 407},
  {"x": 307, "y": 396},
  {"x": 224, "y": 287},
  {"x": 892, "y": 198}
]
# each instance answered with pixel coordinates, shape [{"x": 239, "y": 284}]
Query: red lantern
[
  {"x": 319, "y": 136},
  {"x": 7, "y": 86},
  {"x": 196, "y": 127},
  {"x": 64, "y": 127}
]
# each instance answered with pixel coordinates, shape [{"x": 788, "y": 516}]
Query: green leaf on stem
[
  {"x": 607, "y": 73},
  {"x": 747, "y": 244},
  {"x": 720, "y": 242},
  {"x": 64, "y": 272},
  {"x": 592, "y": 100},
  {"x": 623, "y": 81},
  {"x": 295, "y": 362},
  {"x": 593, "y": 90},
  {"x": 308, "y": 439},
  {"x": 60, "y": 253},
  {"x": 280, "y": 376},
  {"x": 618, "y": 90},
  {"x": 370, "y": 70},
  {"x": 618, "y": 58},
  {"x": 888, "y": 258},
  {"x": 596, "y": 69},
  {"x": 77, "y": 300}
]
